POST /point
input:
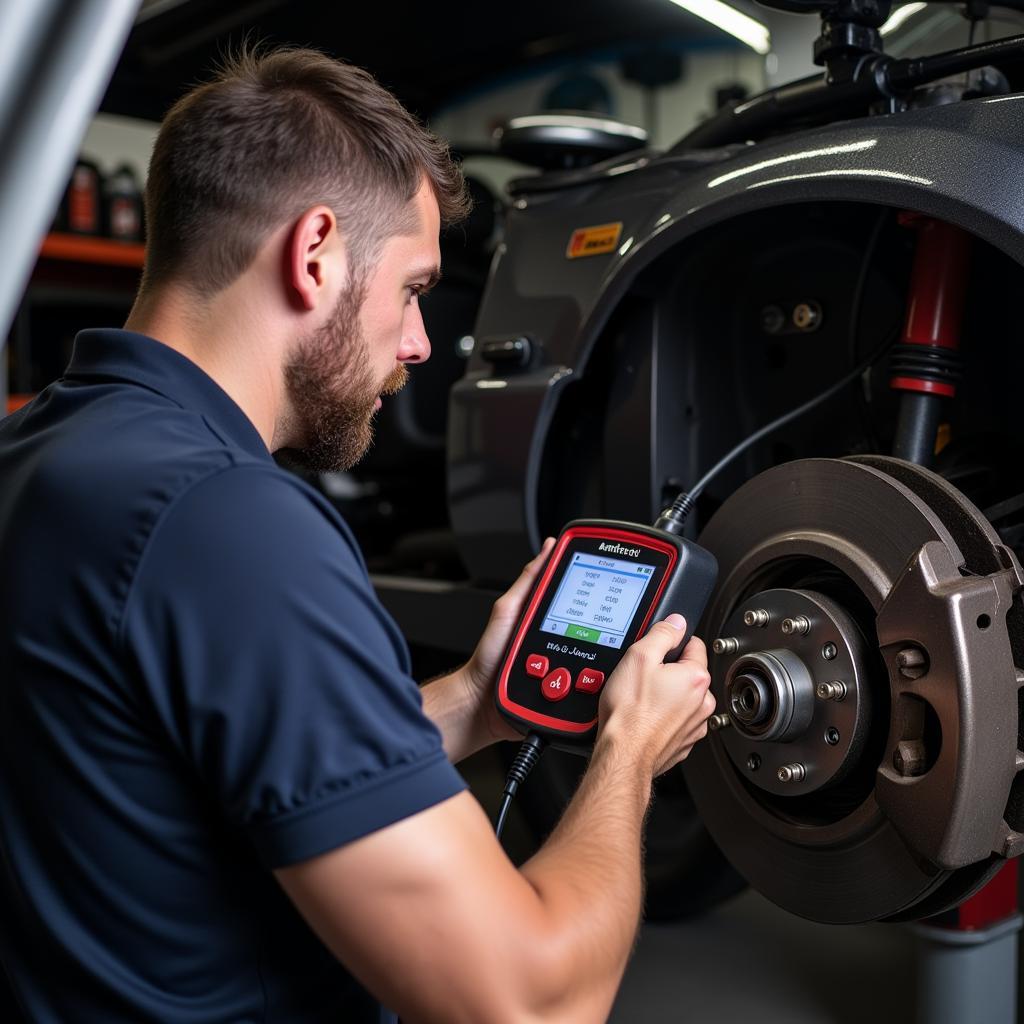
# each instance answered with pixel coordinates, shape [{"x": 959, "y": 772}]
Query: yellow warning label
[{"x": 594, "y": 241}]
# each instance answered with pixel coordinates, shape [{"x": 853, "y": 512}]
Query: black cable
[
  {"x": 527, "y": 756},
  {"x": 856, "y": 309},
  {"x": 673, "y": 518}
]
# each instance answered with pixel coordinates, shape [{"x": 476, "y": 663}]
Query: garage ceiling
[{"x": 427, "y": 53}]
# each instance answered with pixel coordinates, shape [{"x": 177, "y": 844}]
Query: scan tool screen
[{"x": 597, "y": 598}]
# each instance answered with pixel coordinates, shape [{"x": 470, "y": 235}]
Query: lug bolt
[
  {"x": 912, "y": 662},
  {"x": 756, "y": 617},
  {"x": 792, "y": 772},
  {"x": 754, "y": 762},
  {"x": 831, "y": 735},
  {"x": 726, "y": 645},
  {"x": 836, "y": 690},
  {"x": 716, "y": 722},
  {"x": 829, "y": 651},
  {"x": 798, "y": 624}
]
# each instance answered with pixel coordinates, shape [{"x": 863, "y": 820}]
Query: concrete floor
[{"x": 748, "y": 962}]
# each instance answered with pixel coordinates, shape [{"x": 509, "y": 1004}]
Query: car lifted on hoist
[{"x": 647, "y": 312}]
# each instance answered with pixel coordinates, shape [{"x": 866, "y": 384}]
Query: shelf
[
  {"x": 101, "y": 251},
  {"x": 15, "y": 402}
]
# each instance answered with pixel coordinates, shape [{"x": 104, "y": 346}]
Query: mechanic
[{"x": 218, "y": 782}]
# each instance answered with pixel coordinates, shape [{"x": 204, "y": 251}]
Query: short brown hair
[{"x": 273, "y": 134}]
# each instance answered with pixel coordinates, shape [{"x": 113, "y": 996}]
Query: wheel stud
[
  {"x": 756, "y": 617},
  {"x": 726, "y": 645},
  {"x": 836, "y": 690},
  {"x": 799, "y": 624},
  {"x": 792, "y": 772},
  {"x": 716, "y": 722}
]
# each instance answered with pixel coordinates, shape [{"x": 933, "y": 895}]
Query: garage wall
[
  {"x": 678, "y": 106},
  {"x": 112, "y": 140}
]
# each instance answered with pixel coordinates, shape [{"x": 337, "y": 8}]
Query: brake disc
[{"x": 868, "y": 622}]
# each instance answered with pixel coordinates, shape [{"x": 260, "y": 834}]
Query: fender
[{"x": 960, "y": 163}]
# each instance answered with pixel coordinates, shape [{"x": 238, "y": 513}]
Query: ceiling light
[
  {"x": 728, "y": 19},
  {"x": 900, "y": 15}
]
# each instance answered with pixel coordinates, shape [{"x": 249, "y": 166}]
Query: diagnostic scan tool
[{"x": 604, "y": 584}]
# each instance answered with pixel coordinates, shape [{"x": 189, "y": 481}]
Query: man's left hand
[{"x": 462, "y": 704}]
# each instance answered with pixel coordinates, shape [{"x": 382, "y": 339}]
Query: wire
[
  {"x": 674, "y": 516},
  {"x": 506, "y": 803},
  {"x": 856, "y": 309},
  {"x": 526, "y": 757}
]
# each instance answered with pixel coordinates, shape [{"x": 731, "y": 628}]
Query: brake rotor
[{"x": 867, "y": 624}]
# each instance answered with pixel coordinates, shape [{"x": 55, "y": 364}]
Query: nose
[{"x": 415, "y": 346}]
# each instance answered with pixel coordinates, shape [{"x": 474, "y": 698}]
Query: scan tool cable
[
  {"x": 685, "y": 500},
  {"x": 527, "y": 756}
]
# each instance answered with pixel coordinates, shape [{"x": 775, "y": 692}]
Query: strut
[{"x": 926, "y": 365}]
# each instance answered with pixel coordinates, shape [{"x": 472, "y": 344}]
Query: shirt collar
[{"x": 128, "y": 356}]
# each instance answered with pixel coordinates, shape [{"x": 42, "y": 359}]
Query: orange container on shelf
[{"x": 83, "y": 211}]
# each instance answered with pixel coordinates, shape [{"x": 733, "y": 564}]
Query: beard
[{"x": 332, "y": 392}]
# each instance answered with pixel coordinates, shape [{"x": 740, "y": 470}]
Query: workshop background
[{"x": 665, "y": 67}]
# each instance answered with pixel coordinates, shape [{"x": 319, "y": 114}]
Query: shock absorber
[{"x": 926, "y": 365}]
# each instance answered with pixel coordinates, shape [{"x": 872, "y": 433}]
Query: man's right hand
[{"x": 660, "y": 707}]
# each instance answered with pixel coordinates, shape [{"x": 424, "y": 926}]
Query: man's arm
[
  {"x": 433, "y": 918},
  {"x": 462, "y": 704}
]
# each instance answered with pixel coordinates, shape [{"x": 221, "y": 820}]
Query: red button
[
  {"x": 557, "y": 685},
  {"x": 537, "y": 665},
  {"x": 590, "y": 680}
]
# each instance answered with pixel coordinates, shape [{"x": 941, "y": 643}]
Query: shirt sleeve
[{"x": 259, "y": 643}]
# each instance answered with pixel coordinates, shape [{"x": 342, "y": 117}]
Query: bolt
[
  {"x": 772, "y": 319},
  {"x": 806, "y": 316},
  {"x": 726, "y": 645},
  {"x": 756, "y": 617},
  {"x": 791, "y": 772},
  {"x": 836, "y": 690},
  {"x": 831, "y": 735},
  {"x": 909, "y": 758},
  {"x": 912, "y": 662},
  {"x": 798, "y": 624},
  {"x": 829, "y": 651},
  {"x": 716, "y": 722},
  {"x": 754, "y": 762}
]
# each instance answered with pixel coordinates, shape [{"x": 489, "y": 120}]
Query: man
[{"x": 222, "y": 798}]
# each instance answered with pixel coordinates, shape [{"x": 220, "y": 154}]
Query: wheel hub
[
  {"x": 793, "y": 690},
  {"x": 867, "y": 622}
]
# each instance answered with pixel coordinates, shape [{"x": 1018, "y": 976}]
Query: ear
[{"x": 315, "y": 257}]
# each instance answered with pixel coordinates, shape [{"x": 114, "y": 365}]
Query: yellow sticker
[{"x": 594, "y": 241}]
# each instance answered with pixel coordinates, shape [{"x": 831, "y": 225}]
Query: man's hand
[
  {"x": 660, "y": 708},
  {"x": 462, "y": 704}
]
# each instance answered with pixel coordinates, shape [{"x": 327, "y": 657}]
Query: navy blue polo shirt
[{"x": 197, "y": 685}]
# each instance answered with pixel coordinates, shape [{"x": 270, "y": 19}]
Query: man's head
[{"x": 294, "y": 151}]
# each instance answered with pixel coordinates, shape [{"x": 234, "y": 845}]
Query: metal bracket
[{"x": 962, "y": 709}]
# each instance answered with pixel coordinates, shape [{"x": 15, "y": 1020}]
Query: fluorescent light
[
  {"x": 900, "y": 15},
  {"x": 728, "y": 19}
]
